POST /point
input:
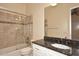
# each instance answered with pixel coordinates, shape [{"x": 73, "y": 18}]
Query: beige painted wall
[
  {"x": 17, "y": 7},
  {"x": 60, "y": 15},
  {"x": 58, "y": 18},
  {"x": 37, "y": 11}
]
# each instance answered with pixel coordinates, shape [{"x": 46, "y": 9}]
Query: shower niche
[{"x": 15, "y": 31}]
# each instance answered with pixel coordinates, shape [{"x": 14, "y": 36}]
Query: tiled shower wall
[{"x": 15, "y": 30}]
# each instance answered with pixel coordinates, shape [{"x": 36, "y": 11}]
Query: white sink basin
[{"x": 61, "y": 46}]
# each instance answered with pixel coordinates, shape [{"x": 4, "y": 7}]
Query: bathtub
[{"x": 11, "y": 51}]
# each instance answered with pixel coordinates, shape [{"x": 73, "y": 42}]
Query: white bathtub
[{"x": 11, "y": 51}]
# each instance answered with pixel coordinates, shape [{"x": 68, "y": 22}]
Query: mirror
[{"x": 55, "y": 26}]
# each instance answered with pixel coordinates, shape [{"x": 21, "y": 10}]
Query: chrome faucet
[{"x": 58, "y": 41}]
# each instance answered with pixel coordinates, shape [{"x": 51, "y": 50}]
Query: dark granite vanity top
[
  {"x": 47, "y": 44},
  {"x": 47, "y": 41}
]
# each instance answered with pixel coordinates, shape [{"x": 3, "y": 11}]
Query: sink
[{"x": 60, "y": 46}]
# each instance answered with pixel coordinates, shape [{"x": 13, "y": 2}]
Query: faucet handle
[
  {"x": 67, "y": 42},
  {"x": 58, "y": 41}
]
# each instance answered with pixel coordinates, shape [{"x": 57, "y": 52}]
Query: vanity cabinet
[{"x": 42, "y": 51}]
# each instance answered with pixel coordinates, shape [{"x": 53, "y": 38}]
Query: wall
[
  {"x": 58, "y": 18},
  {"x": 12, "y": 31},
  {"x": 60, "y": 14},
  {"x": 37, "y": 11},
  {"x": 17, "y": 7}
]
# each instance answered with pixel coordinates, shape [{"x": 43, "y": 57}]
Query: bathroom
[{"x": 38, "y": 29}]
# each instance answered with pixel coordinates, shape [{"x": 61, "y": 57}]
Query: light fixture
[
  {"x": 16, "y": 19},
  {"x": 53, "y": 4}
]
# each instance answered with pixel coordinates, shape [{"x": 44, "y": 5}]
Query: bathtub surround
[{"x": 15, "y": 30}]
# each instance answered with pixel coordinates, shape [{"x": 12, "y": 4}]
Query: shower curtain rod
[{"x": 5, "y": 22}]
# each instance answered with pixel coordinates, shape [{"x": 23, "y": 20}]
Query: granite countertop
[{"x": 47, "y": 44}]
